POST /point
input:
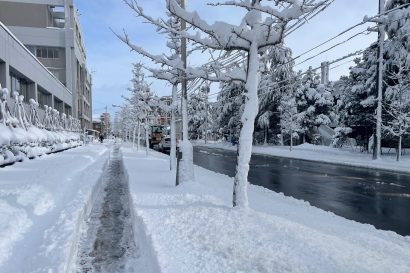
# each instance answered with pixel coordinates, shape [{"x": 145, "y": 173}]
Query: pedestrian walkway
[{"x": 108, "y": 245}]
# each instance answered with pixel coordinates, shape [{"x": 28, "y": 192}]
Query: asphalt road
[{"x": 375, "y": 197}]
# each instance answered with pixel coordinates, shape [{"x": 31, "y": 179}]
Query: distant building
[
  {"x": 50, "y": 30},
  {"x": 97, "y": 125},
  {"x": 106, "y": 124},
  {"x": 164, "y": 116}
]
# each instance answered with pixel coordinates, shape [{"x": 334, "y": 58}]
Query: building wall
[
  {"x": 55, "y": 24},
  {"x": 17, "y": 60},
  {"x": 30, "y": 15}
]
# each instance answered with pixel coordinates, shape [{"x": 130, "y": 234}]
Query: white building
[{"x": 51, "y": 31}]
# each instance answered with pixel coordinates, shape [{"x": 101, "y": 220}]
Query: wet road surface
[
  {"x": 108, "y": 245},
  {"x": 376, "y": 197}
]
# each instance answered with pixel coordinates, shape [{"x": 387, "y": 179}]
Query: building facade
[
  {"x": 105, "y": 119},
  {"x": 22, "y": 72},
  {"x": 165, "y": 116},
  {"x": 51, "y": 31}
]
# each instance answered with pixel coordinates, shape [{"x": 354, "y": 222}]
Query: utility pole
[
  {"x": 377, "y": 148},
  {"x": 206, "y": 114},
  {"x": 324, "y": 67},
  {"x": 184, "y": 96},
  {"x": 106, "y": 121}
]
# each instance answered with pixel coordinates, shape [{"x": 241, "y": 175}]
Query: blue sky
[{"x": 111, "y": 61}]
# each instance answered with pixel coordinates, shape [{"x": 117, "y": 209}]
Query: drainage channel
[{"x": 108, "y": 243}]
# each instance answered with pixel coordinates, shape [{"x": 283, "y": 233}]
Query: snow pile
[
  {"x": 192, "y": 228},
  {"x": 42, "y": 207}
]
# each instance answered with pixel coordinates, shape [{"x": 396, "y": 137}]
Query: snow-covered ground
[
  {"x": 192, "y": 228},
  {"x": 43, "y": 203},
  {"x": 46, "y": 207},
  {"x": 326, "y": 154}
]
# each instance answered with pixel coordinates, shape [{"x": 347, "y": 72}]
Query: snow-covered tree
[
  {"x": 288, "y": 118},
  {"x": 264, "y": 122},
  {"x": 142, "y": 102},
  {"x": 397, "y": 72},
  {"x": 263, "y": 25},
  {"x": 174, "y": 70},
  {"x": 198, "y": 113},
  {"x": 397, "y": 103},
  {"x": 276, "y": 82},
  {"x": 358, "y": 100},
  {"x": 229, "y": 109},
  {"x": 314, "y": 102}
]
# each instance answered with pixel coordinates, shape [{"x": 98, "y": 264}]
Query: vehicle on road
[
  {"x": 157, "y": 133},
  {"x": 164, "y": 144}
]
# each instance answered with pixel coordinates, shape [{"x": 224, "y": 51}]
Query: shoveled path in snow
[{"x": 108, "y": 244}]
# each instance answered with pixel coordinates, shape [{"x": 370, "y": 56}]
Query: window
[
  {"x": 58, "y": 105},
  {"x": 19, "y": 85},
  {"x": 47, "y": 52},
  {"x": 44, "y": 99},
  {"x": 55, "y": 72}
]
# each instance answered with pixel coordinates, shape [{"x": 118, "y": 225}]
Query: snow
[
  {"x": 187, "y": 171},
  {"x": 43, "y": 203},
  {"x": 318, "y": 153},
  {"x": 193, "y": 228},
  {"x": 46, "y": 203}
]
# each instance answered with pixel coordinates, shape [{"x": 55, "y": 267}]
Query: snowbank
[
  {"x": 42, "y": 205},
  {"x": 326, "y": 154},
  {"x": 192, "y": 228},
  {"x": 17, "y": 143}
]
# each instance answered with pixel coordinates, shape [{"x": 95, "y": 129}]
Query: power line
[
  {"x": 300, "y": 22},
  {"x": 324, "y": 51},
  {"x": 274, "y": 84},
  {"x": 366, "y": 32}
]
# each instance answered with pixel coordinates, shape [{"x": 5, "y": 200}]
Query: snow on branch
[
  {"x": 175, "y": 62},
  {"x": 225, "y": 36},
  {"x": 294, "y": 11}
]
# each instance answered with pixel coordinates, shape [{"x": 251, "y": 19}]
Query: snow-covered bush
[
  {"x": 23, "y": 135},
  {"x": 341, "y": 136}
]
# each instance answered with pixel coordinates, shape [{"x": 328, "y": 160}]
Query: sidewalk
[
  {"x": 42, "y": 206},
  {"x": 192, "y": 228},
  {"x": 326, "y": 154}
]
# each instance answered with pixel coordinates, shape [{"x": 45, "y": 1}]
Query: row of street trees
[
  {"x": 263, "y": 90},
  {"x": 262, "y": 27}
]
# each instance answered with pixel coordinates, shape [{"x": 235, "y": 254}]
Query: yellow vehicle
[{"x": 157, "y": 133}]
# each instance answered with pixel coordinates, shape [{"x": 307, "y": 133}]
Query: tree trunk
[
  {"x": 206, "y": 118},
  {"x": 146, "y": 138},
  {"x": 172, "y": 153},
  {"x": 291, "y": 140},
  {"x": 133, "y": 137},
  {"x": 399, "y": 149},
  {"x": 281, "y": 137},
  {"x": 240, "y": 194},
  {"x": 266, "y": 136},
  {"x": 139, "y": 135}
]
